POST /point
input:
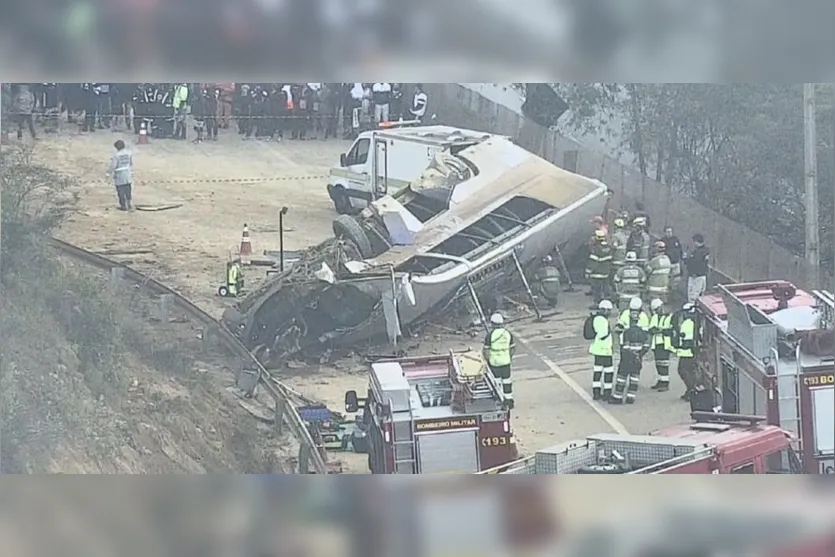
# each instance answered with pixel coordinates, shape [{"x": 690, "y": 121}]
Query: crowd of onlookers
[{"x": 198, "y": 111}]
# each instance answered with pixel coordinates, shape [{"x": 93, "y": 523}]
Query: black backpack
[{"x": 588, "y": 327}]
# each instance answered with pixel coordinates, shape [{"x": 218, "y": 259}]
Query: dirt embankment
[
  {"x": 90, "y": 383},
  {"x": 90, "y": 386}
]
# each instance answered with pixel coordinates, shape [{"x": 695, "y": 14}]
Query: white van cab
[{"x": 396, "y": 157}]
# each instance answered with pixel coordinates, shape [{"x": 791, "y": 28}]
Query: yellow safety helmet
[
  {"x": 639, "y": 221},
  {"x": 619, "y": 223}
]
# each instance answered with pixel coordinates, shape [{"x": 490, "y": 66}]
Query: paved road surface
[{"x": 552, "y": 371}]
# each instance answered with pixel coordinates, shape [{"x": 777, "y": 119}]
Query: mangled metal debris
[{"x": 406, "y": 258}]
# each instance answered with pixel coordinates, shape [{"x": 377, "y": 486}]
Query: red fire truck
[
  {"x": 715, "y": 443},
  {"x": 431, "y": 415},
  {"x": 769, "y": 347}
]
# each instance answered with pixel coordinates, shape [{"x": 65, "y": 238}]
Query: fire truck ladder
[
  {"x": 826, "y": 305},
  {"x": 403, "y": 441},
  {"x": 479, "y": 387}
]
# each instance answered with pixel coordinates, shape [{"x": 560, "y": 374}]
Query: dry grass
[{"x": 89, "y": 385}]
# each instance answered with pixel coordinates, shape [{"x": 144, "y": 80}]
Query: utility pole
[
  {"x": 832, "y": 223},
  {"x": 2, "y": 370},
  {"x": 811, "y": 198}
]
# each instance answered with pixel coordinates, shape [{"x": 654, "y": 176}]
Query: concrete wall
[{"x": 739, "y": 253}]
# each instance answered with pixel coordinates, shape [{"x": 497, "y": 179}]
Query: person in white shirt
[
  {"x": 381, "y": 96},
  {"x": 419, "y": 101},
  {"x": 357, "y": 94},
  {"x": 121, "y": 170}
]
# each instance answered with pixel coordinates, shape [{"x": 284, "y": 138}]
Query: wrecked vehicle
[
  {"x": 469, "y": 226},
  {"x": 396, "y": 157}
]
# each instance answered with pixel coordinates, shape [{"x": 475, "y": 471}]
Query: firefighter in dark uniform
[
  {"x": 634, "y": 345},
  {"x": 499, "y": 347},
  {"x": 547, "y": 280},
  {"x": 599, "y": 266},
  {"x": 639, "y": 241}
]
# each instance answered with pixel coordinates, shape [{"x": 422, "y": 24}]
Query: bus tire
[{"x": 348, "y": 229}]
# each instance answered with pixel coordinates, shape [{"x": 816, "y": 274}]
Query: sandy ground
[
  {"x": 189, "y": 247},
  {"x": 191, "y": 244}
]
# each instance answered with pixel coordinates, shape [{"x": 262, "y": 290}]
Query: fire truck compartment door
[
  {"x": 451, "y": 452},
  {"x": 823, "y": 406}
]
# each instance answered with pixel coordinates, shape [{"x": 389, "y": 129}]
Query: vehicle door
[
  {"x": 381, "y": 188},
  {"x": 357, "y": 170}
]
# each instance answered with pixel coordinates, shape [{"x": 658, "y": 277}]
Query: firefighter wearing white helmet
[
  {"x": 499, "y": 346},
  {"x": 658, "y": 271},
  {"x": 599, "y": 266},
  {"x": 639, "y": 240},
  {"x": 634, "y": 343},
  {"x": 598, "y": 330},
  {"x": 547, "y": 281},
  {"x": 635, "y": 311},
  {"x": 629, "y": 280},
  {"x": 685, "y": 342},
  {"x": 620, "y": 237},
  {"x": 660, "y": 328}
]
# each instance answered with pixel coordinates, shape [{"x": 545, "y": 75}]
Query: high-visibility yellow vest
[
  {"x": 624, "y": 321},
  {"x": 499, "y": 347},
  {"x": 643, "y": 320},
  {"x": 232, "y": 276},
  {"x": 687, "y": 336},
  {"x": 663, "y": 323},
  {"x": 601, "y": 346}
]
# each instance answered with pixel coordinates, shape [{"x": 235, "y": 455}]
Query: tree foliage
[{"x": 736, "y": 148}]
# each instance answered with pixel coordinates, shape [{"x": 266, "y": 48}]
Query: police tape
[
  {"x": 253, "y": 180},
  {"x": 78, "y": 115}
]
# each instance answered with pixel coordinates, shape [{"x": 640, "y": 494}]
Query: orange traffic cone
[
  {"x": 143, "y": 134},
  {"x": 245, "y": 252}
]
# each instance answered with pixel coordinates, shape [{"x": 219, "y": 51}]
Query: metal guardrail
[
  {"x": 285, "y": 411},
  {"x": 523, "y": 465}
]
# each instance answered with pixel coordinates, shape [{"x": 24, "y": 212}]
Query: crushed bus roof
[{"x": 506, "y": 172}]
